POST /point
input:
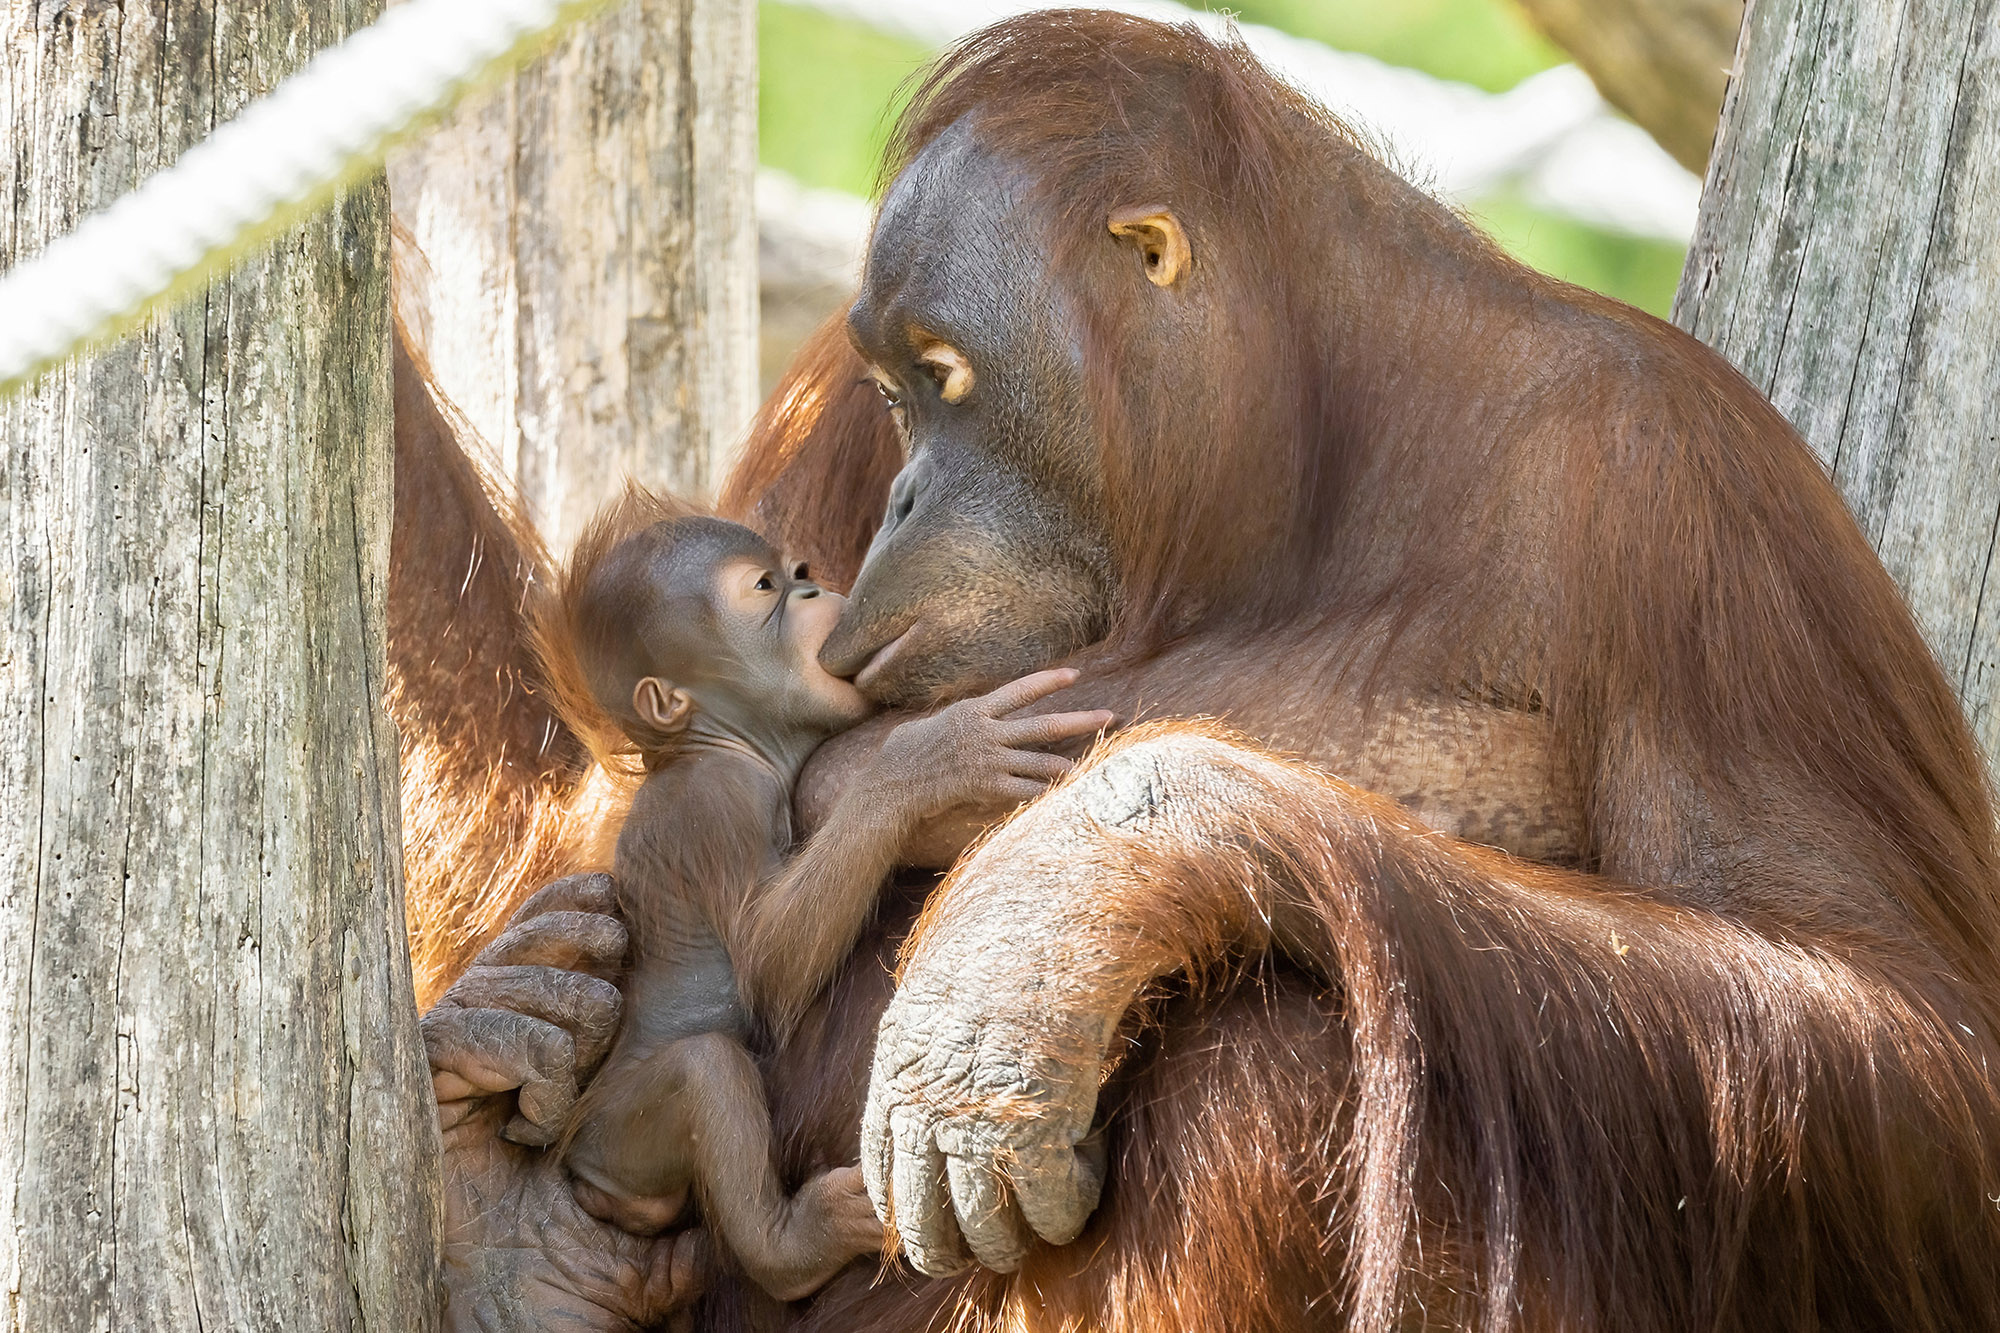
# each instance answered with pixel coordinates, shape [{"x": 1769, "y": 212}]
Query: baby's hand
[{"x": 978, "y": 753}]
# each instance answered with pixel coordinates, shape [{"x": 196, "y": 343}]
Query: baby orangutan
[{"x": 686, "y": 640}]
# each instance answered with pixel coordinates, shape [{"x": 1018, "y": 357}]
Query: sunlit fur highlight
[
  {"x": 500, "y": 794},
  {"x": 813, "y": 476},
  {"x": 498, "y": 797}
]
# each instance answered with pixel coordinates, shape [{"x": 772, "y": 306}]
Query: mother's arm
[
  {"x": 1547, "y": 999},
  {"x": 1014, "y": 983}
]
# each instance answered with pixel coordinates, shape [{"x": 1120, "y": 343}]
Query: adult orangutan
[{"x": 1198, "y": 395}]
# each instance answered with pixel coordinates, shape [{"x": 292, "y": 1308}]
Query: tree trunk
[
  {"x": 1661, "y": 62},
  {"x": 214, "y": 1109},
  {"x": 1846, "y": 261},
  {"x": 591, "y": 238}
]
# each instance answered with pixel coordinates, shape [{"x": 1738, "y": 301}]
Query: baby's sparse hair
[{"x": 578, "y": 637}]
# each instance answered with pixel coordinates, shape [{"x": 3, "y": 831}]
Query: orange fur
[{"x": 1731, "y": 1071}]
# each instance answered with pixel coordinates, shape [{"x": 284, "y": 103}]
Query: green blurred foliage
[
  {"x": 828, "y": 95},
  {"x": 831, "y": 88},
  {"x": 1487, "y": 43},
  {"x": 1631, "y": 268}
]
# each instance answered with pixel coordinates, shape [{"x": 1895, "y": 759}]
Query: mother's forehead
[{"x": 957, "y": 207}]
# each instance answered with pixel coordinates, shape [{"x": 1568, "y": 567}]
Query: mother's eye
[
  {"x": 765, "y": 583},
  {"x": 898, "y": 413}
]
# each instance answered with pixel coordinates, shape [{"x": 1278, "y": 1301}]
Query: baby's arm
[{"x": 801, "y": 924}]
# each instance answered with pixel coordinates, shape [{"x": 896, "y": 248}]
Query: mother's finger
[
  {"x": 590, "y": 891},
  {"x": 585, "y": 1006},
  {"x": 543, "y": 1111},
  {"x": 987, "y": 1218},
  {"x": 919, "y": 1204},
  {"x": 575, "y": 941},
  {"x": 494, "y": 1050},
  {"x": 1057, "y": 1188},
  {"x": 878, "y": 1152}
]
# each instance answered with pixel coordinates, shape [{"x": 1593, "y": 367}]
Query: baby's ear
[{"x": 661, "y": 706}]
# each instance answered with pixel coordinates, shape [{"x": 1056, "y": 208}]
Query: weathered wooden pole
[
  {"x": 1848, "y": 260},
  {"x": 591, "y": 236},
  {"x": 214, "y": 1109}
]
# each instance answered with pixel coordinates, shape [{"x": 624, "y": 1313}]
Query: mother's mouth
[{"x": 880, "y": 658}]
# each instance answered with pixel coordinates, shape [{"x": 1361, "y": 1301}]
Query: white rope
[{"x": 282, "y": 155}]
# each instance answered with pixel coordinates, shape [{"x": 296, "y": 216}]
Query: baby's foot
[
  {"x": 847, "y": 1216},
  {"x": 828, "y": 1224},
  {"x": 640, "y": 1216}
]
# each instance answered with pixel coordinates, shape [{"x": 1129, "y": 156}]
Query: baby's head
[{"x": 672, "y": 622}]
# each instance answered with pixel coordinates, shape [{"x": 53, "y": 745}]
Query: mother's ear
[{"x": 1161, "y": 242}]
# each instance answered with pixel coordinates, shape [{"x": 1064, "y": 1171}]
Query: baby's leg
[
  {"x": 629, "y": 1149},
  {"x": 789, "y": 1247}
]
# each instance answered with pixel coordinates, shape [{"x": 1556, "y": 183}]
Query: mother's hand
[
  {"x": 976, "y": 1139},
  {"x": 509, "y": 1044}
]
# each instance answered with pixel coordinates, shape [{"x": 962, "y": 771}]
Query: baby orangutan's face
[
  {"x": 727, "y": 636},
  {"x": 773, "y": 610}
]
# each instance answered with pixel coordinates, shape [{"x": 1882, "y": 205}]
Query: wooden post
[
  {"x": 590, "y": 232},
  {"x": 214, "y": 1108},
  {"x": 1846, "y": 261}
]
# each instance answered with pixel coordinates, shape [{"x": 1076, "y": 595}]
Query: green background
[{"x": 830, "y": 92}]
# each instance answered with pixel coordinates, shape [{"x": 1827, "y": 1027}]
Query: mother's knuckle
[{"x": 599, "y": 996}]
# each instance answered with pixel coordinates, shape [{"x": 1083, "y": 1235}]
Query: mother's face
[{"x": 992, "y": 559}]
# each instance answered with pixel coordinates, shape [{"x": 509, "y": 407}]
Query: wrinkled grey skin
[
  {"x": 977, "y": 1135},
  {"x": 508, "y": 1045},
  {"x": 991, "y": 554}
]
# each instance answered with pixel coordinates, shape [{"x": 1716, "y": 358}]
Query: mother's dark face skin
[{"x": 992, "y": 560}]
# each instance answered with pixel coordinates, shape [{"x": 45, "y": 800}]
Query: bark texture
[
  {"x": 214, "y": 1107},
  {"x": 591, "y": 239},
  {"x": 1661, "y": 62},
  {"x": 1848, "y": 261}
]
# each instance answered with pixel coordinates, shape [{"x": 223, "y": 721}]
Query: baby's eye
[
  {"x": 889, "y": 395},
  {"x": 801, "y": 574},
  {"x": 765, "y": 583}
]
